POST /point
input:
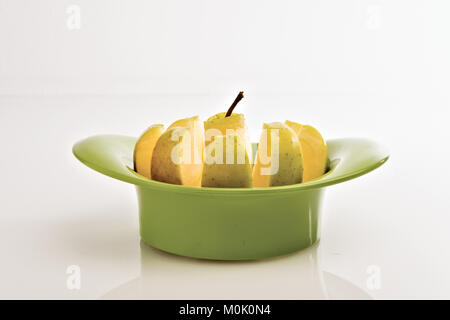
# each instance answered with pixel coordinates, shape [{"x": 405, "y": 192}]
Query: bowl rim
[{"x": 112, "y": 155}]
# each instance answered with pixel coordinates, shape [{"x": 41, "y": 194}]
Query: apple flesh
[
  {"x": 178, "y": 154},
  {"x": 314, "y": 149},
  {"x": 143, "y": 150}
]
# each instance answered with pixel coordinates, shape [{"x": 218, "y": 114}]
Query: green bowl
[{"x": 229, "y": 223}]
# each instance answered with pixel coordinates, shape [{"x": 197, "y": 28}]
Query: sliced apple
[
  {"x": 279, "y": 158},
  {"x": 178, "y": 154},
  {"x": 143, "y": 150},
  {"x": 314, "y": 148},
  {"x": 227, "y": 163}
]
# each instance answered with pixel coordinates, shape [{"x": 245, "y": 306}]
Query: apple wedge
[
  {"x": 227, "y": 163},
  {"x": 143, "y": 150},
  {"x": 279, "y": 158},
  {"x": 314, "y": 148},
  {"x": 178, "y": 154}
]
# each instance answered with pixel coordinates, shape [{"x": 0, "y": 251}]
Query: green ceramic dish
[{"x": 225, "y": 223}]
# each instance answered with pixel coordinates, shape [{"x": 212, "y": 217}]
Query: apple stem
[{"x": 235, "y": 102}]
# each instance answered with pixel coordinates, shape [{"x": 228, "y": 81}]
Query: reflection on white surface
[{"x": 295, "y": 276}]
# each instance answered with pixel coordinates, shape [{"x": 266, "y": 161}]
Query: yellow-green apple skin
[
  {"x": 196, "y": 131},
  {"x": 221, "y": 125},
  {"x": 178, "y": 154},
  {"x": 143, "y": 150},
  {"x": 280, "y": 168},
  {"x": 227, "y": 163},
  {"x": 314, "y": 148},
  {"x": 235, "y": 121}
]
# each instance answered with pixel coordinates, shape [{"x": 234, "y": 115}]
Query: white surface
[
  {"x": 376, "y": 69},
  {"x": 56, "y": 212}
]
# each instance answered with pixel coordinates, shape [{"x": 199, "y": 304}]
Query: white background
[{"x": 376, "y": 69}]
